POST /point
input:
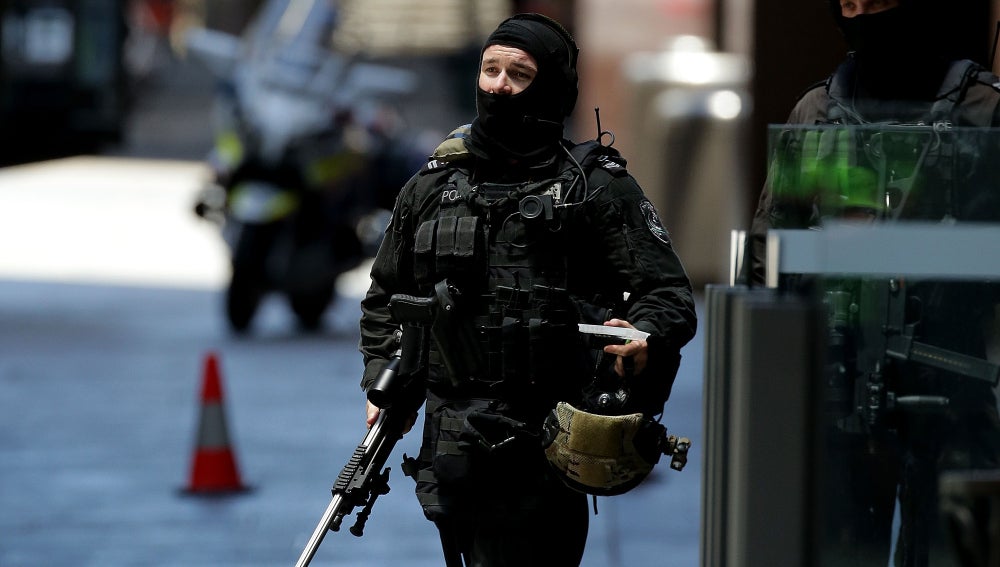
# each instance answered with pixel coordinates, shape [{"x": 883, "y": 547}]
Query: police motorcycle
[{"x": 307, "y": 158}]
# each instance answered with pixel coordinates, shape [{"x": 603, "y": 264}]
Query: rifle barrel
[
  {"x": 362, "y": 479},
  {"x": 317, "y": 536}
]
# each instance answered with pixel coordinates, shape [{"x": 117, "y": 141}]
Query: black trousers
[
  {"x": 864, "y": 479},
  {"x": 506, "y": 528}
]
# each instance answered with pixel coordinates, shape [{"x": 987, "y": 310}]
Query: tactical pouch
[
  {"x": 476, "y": 440},
  {"x": 452, "y": 462},
  {"x": 444, "y": 252},
  {"x": 423, "y": 252},
  {"x": 461, "y": 246},
  {"x": 513, "y": 363},
  {"x": 449, "y": 247}
]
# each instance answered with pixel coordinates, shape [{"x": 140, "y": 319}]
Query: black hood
[
  {"x": 904, "y": 52},
  {"x": 528, "y": 125},
  {"x": 923, "y": 28}
]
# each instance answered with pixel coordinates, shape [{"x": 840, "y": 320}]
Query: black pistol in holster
[{"x": 454, "y": 334}]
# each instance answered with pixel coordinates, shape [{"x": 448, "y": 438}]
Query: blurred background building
[{"x": 687, "y": 87}]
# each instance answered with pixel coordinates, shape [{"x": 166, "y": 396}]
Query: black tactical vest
[
  {"x": 960, "y": 77},
  {"x": 502, "y": 248},
  {"x": 945, "y": 179}
]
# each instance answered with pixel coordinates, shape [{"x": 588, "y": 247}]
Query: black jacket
[{"x": 618, "y": 247}]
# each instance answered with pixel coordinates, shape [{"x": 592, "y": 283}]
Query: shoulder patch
[
  {"x": 613, "y": 165},
  {"x": 453, "y": 146},
  {"x": 450, "y": 150},
  {"x": 593, "y": 155},
  {"x": 653, "y": 221},
  {"x": 433, "y": 165}
]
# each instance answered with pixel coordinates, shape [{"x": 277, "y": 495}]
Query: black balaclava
[
  {"x": 904, "y": 52},
  {"x": 528, "y": 126}
]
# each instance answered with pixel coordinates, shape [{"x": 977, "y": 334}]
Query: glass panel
[
  {"x": 884, "y": 172},
  {"x": 908, "y": 392}
]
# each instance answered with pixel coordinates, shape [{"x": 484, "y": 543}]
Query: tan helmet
[{"x": 606, "y": 455}]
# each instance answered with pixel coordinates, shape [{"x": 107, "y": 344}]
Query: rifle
[
  {"x": 862, "y": 349},
  {"x": 899, "y": 343},
  {"x": 398, "y": 392}
]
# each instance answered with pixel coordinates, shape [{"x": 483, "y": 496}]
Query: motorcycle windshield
[
  {"x": 289, "y": 22},
  {"x": 893, "y": 231},
  {"x": 285, "y": 85},
  {"x": 289, "y": 44}
]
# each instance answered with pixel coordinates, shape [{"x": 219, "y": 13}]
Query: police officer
[
  {"x": 905, "y": 56},
  {"x": 910, "y": 62},
  {"x": 526, "y": 235}
]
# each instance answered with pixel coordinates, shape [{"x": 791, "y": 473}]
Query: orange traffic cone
[{"x": 213, "y": 469}]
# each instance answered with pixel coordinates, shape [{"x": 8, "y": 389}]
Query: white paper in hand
[{"x": 620, "y": 332}]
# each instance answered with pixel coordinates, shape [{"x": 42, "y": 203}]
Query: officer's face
[
  {"x": 506, "y": 70},
  {"x": 851, "y": 8}
]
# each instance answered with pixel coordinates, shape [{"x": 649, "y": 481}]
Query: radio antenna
[{"x": 602, "y": 133}]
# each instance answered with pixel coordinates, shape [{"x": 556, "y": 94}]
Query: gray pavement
[
  {"x": 109, "y": 304},
  {"x": 101, "y": 400}
]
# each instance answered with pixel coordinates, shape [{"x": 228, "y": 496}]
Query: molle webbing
[
  {"x": 453, "y": 243},
  {"x": 539, "y": 302},
  {"x": 453, "y": 425},
  {"x": 448, "y": 245},
  {"x": 512, "y": 271},
  {"x": 521, "y": 330}
]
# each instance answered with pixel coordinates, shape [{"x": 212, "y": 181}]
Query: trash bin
[{"x": 690, "y": 113}]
